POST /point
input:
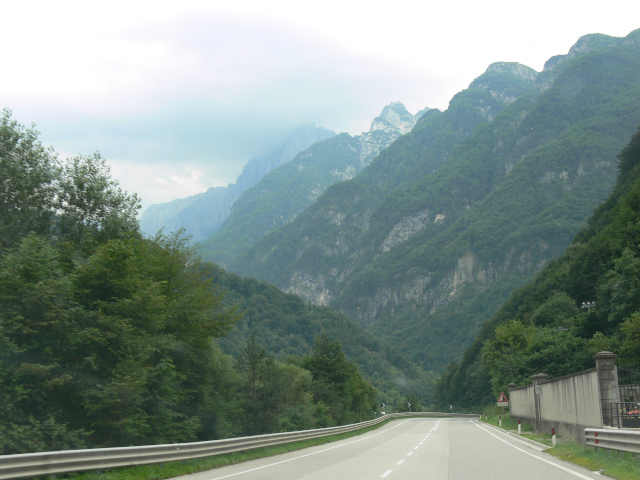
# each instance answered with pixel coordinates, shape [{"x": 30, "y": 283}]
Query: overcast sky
[{"x": 179, "y": 95}]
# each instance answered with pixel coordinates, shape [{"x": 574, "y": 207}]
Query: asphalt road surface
[{"x": 407, "y": 449}]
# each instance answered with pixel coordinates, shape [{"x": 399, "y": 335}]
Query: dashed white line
[
  {"x": 386, "y": 473},
  {"x": 400, "y": 462},
  {"x": 409, "y": 454},
  {"x": 310, "y": 454}
]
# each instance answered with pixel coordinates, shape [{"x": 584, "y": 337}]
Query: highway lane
[{"x": 407, "y": 449}]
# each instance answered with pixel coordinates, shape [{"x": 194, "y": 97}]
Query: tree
[
  {"x": 337, "y": 382},
  {"x": 274, "y": 396},
  {"x": 27, "y": 189},
  {"x": 89, "y": 204}
]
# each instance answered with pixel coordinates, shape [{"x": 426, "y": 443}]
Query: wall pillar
[
  {"x": 538, "y": 380},
  {"x": 607, "y": 384}
]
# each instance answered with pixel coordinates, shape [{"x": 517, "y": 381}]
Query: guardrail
[
  {"x": 66, "y": 461},
  {"x": 620, "y": 440}
]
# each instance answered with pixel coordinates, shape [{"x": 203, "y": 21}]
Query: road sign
[{"x": 503, "y": 401}]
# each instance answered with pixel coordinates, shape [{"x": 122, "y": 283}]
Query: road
[{"x": 407, "y": 449}]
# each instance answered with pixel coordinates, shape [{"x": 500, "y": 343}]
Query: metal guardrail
[
  {"x": 620, "y": 440},
  {"x": 49, "y": 463}
]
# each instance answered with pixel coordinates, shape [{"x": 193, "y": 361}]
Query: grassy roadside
[
  {"x": 609, "y": 463},
  {"x": 175, "y": 469}
]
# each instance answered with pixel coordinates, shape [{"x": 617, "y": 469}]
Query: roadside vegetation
[{"x": 622, "y": 466}]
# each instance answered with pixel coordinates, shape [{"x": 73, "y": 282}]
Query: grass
[
  {"x": 622, "y": 466},
  {"x": 175, "y": 469}
]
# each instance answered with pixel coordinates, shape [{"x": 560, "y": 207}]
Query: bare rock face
[
  {"x": 393, "y": 121},
  {"x": 404, "y": 229}
]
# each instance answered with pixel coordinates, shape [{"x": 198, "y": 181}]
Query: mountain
[
  {"x": 289, "y": 189},
  {"x": 431, "y": 238},
  {"x": 544, "y": 326},
  {"x": 201, "y": 215},
  {"x": 286, "y": 326}
]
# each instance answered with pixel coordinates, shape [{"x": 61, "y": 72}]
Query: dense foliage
[
  {"x": 107, "y": 338},
  {"x": 287, "y": 327},
  {"x": 551, "y": 325}
]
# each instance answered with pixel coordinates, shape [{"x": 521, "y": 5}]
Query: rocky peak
[
  {"x": 515, "y": 68},
  {"x": 394, "y": 117},
  {"x": 498, "y": 80},
  {"x": 394, "y": 121},
  {"x": 586, "y": 44}
]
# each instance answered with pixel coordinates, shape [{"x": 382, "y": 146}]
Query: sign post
[{"x": 503, "y": 401}]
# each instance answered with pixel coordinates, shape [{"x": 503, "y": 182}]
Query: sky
[{"x": 177, "y": 96}]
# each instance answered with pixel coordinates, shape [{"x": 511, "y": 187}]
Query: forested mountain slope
[
  {"x": 544, "y": 327},
  {"x": 286, "y": 326},
  {"x": 432, "y": 237},
  {"x": 201, "y": 215},
  {"x": 289, "y": 189}
]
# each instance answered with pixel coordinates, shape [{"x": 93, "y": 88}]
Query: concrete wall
[
  {"x": 522, "y": 402},
  {"x": 572, "y": 399},
  {"x": 567, "y": 404}
]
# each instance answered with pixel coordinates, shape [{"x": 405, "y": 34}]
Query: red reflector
[
  {"x": 597, "y": 441},
  {"x": 596, "y": 434}
]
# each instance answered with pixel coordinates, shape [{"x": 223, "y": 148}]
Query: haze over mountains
[
  {"x": 201, "y": 215},
  {"x": 426, "y": 240}
]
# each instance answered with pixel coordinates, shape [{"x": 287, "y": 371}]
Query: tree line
[{"x": 108, "y": 338}]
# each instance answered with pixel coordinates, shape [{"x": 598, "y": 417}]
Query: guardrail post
[{"x": 607, "y": 383}]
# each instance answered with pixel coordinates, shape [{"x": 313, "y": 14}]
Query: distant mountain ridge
[
  {"x": 287, "y": 190},
  {"x": 431, "y": 237},
  {"x": 201, "y": 215}
]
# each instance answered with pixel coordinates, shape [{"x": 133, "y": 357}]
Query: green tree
[
  {"x": 89, "y": 204},
  {"x": 338, "y": 384},
  {"x": 27, "y": 189}
]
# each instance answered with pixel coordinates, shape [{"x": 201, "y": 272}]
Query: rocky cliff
[{"x": 287, "y": 190}]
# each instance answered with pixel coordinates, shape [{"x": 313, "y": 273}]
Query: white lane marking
[
  {"x": 415, "y": 448},
  {"x": 310, "y": 454},
  {"x": 528, "y": 444},
  {"x": 400, "y": 462},
  {"x": 579, "y": 475},
  {"x": 386, "y": 473},
  {"x": 409, "y": 454}
]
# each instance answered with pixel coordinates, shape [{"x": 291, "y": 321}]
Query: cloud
[
  {"x": 167, "y": 89},
  {"x": 205, "y": 92}
]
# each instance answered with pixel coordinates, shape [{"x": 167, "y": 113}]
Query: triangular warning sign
[{"x": 503, "y": 397}]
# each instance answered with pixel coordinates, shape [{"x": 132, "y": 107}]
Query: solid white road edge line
[{"x": 579, "y": 475}]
